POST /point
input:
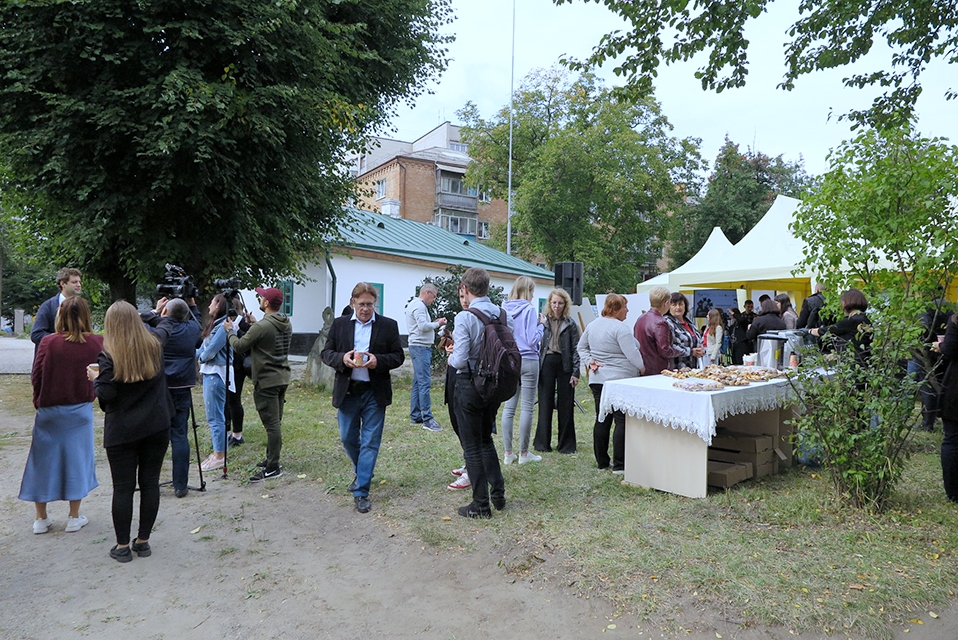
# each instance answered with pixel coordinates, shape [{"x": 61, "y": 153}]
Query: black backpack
[{"x": 499, "y": 368}]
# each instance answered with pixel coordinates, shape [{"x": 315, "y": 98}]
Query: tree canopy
[
  {"x": 739, "y": 192},
  {"x": 828, "y": 34},
  {"x": 593, "y": 176},
  {"x": 210, "y": 134}
]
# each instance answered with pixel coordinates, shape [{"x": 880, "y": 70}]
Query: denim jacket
[{"x": 214, "y": 350}]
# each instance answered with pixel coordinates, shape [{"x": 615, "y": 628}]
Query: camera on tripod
[
  {"x": 176, "y": 284},
  {"x": 229, "y": 287}
]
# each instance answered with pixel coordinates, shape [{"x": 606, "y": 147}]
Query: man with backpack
[{"x": 488, "y": 366}]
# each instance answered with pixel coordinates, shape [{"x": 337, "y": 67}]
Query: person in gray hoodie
[
  {"x": 269, "y": 341},
  {"x": 610, "y": 352},
  {"x": 527, "y": 330}
]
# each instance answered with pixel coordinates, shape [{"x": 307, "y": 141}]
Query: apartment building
[{"x": 423, "y": 181}]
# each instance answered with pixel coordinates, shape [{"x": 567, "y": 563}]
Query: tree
[
  {"x": 593, "y": 176},
  {"x": 739, "y": 192},
  {"x": 210, "y": 134},
  {"x": 883, "y": 220},
  {"x": 828, "y": 34}
]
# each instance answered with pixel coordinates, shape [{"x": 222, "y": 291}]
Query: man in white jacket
[{"x": 422, "y": 337}]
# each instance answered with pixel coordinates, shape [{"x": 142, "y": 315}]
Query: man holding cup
[{"x": 362, "y": 348}]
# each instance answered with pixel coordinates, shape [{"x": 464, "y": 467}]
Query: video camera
[
  {"x": 176, "y": 284},
  {"x": 229, "y": 287}
]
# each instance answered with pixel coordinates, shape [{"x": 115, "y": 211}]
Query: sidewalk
[{"x": 16, "y": 356}]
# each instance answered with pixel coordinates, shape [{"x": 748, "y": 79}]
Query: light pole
[{"x": 512, "y": 75}]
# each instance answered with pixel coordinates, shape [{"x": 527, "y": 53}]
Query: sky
[{"x": 798, "y": 123}]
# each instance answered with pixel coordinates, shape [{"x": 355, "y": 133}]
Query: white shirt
[{"x": 362, "y": 334}]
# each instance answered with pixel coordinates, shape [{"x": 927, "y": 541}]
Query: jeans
[
  {"x": 420, "y": 402},
  {"x": 476, "y": 420},
  {"x": 132, "y": 463},
  {"x": 555, "y": 392},
  {"x": 361, "y": 432},
  {"x": 949, "y": 459},
  {"x": 527, "y": 389},
  {"x": 179, "y": 436},
  {"x": 269, "y": 404},
  {"x": 600, "y": 435},
  {"x": 214, "y": 397}
]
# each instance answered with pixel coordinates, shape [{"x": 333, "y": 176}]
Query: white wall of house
[{"x": 398, "y": 280}]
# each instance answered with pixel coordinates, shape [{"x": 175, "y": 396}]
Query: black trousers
[
  {"x": 949, "y": 458},
  {"x": 555, "y": 392},
  {"x": 234, "y": 401},
  {"x": 133, "y": 462},
  {"x": 600, "y": 435},
  {"x": 476, "y": 419}
]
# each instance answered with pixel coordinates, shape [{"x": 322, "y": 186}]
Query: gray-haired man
[{"x": 422, "y": 337}]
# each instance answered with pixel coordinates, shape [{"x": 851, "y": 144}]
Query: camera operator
[
  {"x": 176, "y": 324},
  {"x": 269, "y": 341}
]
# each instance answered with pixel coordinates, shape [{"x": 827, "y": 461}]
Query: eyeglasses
[{"x": 366, "y": 305}]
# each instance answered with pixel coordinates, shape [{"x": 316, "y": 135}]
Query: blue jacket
[
  {"x": 214, "y": 349},
  {"x": 179, "y": 339}
]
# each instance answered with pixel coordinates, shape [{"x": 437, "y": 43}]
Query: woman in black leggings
[{"x": 131, "y": 388}]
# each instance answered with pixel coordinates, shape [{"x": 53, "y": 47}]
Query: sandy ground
[{"x": 287, "y": 560}]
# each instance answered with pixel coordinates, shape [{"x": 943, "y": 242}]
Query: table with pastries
[{"x": 669, "y": 430}]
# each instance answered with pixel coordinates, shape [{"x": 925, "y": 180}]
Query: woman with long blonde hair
[
  {"x": 528, "y": 333},
  {"x": 131, "y": 388},
  {"x": 558, "y": 373},
  {"x": 61, "y": 463}
]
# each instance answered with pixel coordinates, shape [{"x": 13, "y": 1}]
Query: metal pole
[{"x": 512, "y": 76}]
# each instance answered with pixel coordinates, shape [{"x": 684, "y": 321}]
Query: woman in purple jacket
[{"x": 528, "y": 332}]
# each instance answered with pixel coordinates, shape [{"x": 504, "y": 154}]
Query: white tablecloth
[{"x": 655, "y": 399}]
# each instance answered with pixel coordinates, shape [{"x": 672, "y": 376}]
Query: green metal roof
[{"x": 408, "y": 238}]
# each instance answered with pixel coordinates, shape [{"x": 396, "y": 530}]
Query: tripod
[{"x": 196, "y": 442}]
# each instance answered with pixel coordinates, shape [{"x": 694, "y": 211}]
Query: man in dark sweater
[
  {"x": 269, "y": 340},
  {"x": 176, "y": 323}
]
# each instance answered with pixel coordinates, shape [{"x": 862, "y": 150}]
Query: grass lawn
[{"x": 777, "y": 551}]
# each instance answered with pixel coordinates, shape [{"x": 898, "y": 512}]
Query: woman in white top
[
  {"x": 713, "y": 336},
  {"x": 610, "y": 352}
]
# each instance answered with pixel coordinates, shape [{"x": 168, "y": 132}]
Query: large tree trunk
[{"x": 121, "y": 287}]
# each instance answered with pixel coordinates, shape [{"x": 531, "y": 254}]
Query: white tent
[
  {"x": 706, "y": 259},
  {"x": 763, "y": 259}
]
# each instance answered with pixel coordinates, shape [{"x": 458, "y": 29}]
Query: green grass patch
[{"x": 777, "y": 551}]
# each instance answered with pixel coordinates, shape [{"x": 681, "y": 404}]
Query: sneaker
[
  {"x": 41, "y": 525},
  {"x": 261, "y": 465},
  {"x": 121, "y": 554},
  {"x": 266, "y": 473},
  {"x": 413, "y": 422},
  {"x": 472, "y": 511},
  {"x": 431, "y": 425},
  {"x": 462, "y": 482},
  {"x": 529, "y": 457},
  {"x": 619, "y": 472},
  {"x": 212, "y": 463},
  {"x": 509, "y": 458},
  {"x": 458, "y": 472},
  {"x": 75, "y": 524},
  {"x": 233, "y": 441},
  {"x": 142, "y": 549}
]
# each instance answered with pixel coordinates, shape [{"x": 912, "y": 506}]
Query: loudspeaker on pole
[{"x": 569, "y": 277}]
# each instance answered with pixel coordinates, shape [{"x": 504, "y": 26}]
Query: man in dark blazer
[
  {"x": 70, "y": 283},
  {"x": 362, "y": 348}
]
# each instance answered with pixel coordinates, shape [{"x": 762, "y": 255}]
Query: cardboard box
[
  {"x": 756, "y": 459},
  {"x": 725, "y": 474},
  {"x": 734, "y": 441}
]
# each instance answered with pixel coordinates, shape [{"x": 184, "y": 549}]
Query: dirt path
[{"x": 285, "y": 561}]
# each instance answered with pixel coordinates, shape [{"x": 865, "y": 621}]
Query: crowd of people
[
  {"x": 144, "y": 366},
  {"x": 142, "y": 370}
]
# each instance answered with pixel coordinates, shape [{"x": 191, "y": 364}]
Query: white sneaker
[
  {"x": 459, "y": 471},
  {"x": 509, "y": 458},
  {"x": 75, "y": 524},
  {"x": 528, "y": 457},
  {"x": 619, "y": 472},
  {"x": 41, "y": 525},
  {"x": 462, "y": 482}
]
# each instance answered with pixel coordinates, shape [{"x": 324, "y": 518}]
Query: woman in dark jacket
[
  {"x": 131, "y": 388},
  {"x": 854, "y": 329},
  {"x": 558, "y": 373},
  {"x": 948, "y": 408},
  {"x": 767, "y": 320}
]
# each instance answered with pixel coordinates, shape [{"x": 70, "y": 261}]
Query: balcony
[{"x": 457, "y": 201}]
